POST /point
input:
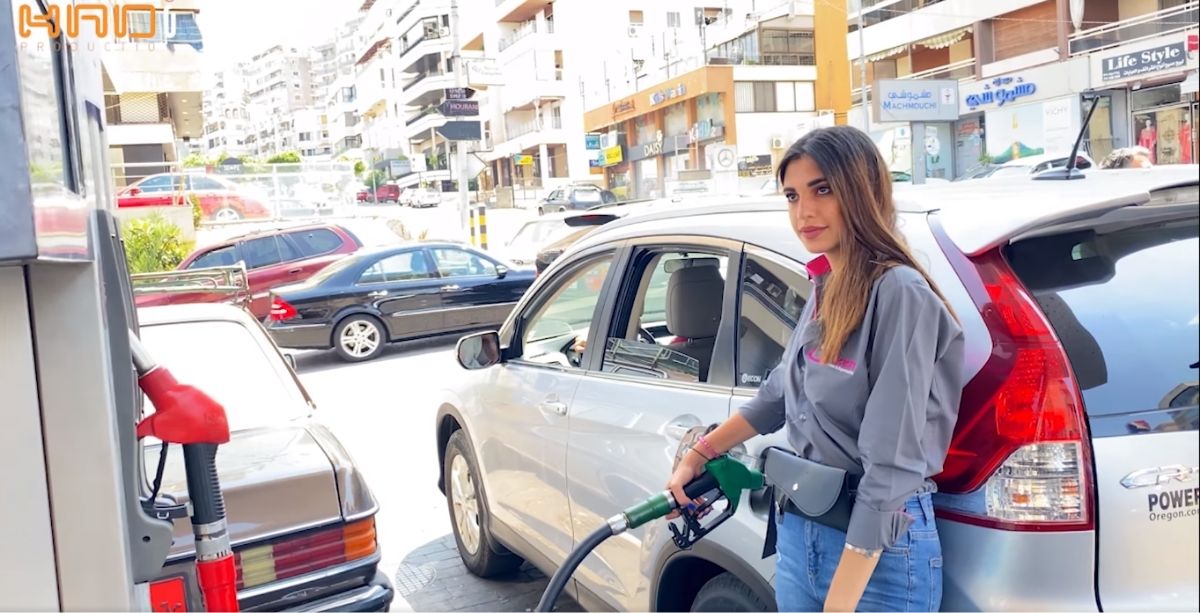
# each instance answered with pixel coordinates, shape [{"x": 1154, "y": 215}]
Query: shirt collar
[{"x": 818, "y": 267}]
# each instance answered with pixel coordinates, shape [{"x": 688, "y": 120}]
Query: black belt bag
[{"x": 821, "y": 493}]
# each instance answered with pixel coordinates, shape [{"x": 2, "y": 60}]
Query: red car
[
  {"x": 383, "y": 193},
  {"x": 220, "y": 198},
  {"x": 273, "y": 258}
]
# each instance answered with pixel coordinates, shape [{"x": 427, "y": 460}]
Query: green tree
[
  {"x": 153, "y": 244},
  {"x": 194, "y": 160},
  {"x": 287, "y": 157},
  {"x": 375, "y": 177},
  {"x": 359, "y": 168}
]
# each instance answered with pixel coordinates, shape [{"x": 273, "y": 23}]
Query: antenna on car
[{"x": 1069, "y": 172}]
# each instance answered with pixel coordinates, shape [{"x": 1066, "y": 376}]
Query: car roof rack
[{"x": 231, "y": 281}]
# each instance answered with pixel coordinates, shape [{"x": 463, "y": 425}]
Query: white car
[{"x": 421, "y": 198}]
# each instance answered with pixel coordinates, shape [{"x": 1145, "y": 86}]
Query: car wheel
[
  {"x": 227, "y": 214},
  {"x": 359, "y": 338},
  {"x": 469, "y": 514},
  {"x": 541, "y": 211},
  {"x": 726, "y": 592},
  {"x": 562, "y": 209}
]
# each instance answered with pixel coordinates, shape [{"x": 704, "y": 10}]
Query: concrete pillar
[
  {"x": 544, "y": 162},
  {"x": 833, "y": 63}
]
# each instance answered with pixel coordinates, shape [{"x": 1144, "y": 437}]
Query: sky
[{"x": 234, "y": 30}]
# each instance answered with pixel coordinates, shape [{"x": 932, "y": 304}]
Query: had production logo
[{"x": 123, "y": 21}]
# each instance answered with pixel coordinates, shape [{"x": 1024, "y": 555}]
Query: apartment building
[
  {"x": 1023, "y": 67},
  {"x": 153, "y": 90},
  {"x": 727, "y": 99},
  {"x": 226, "y": 115}
]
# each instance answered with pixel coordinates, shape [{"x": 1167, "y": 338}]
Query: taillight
[
  {"x": 310, "y": 552},
  {"x": 281, "y": 310},
  {"x": 1019, "y": 458}
]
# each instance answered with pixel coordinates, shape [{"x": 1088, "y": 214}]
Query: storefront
[
  {"x": 1020, "y": 114},
  {"x": 1151, "y": 87},
  {"x": 668, "y": 125}
]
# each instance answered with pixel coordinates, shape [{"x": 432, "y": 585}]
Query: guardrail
[{"x": 229, "y": 280}]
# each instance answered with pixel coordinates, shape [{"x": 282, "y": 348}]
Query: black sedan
[{"x": 376, "y": 296}]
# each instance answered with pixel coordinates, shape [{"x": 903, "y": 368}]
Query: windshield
[
  {"x": 223, "y": 359},
  {"x": 538, "y": 233}
]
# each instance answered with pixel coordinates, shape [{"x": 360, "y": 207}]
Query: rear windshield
[{"x": 1125, "y": 306}]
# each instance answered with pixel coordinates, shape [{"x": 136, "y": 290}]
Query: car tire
[
  {"x": 227, "y": 214},
  {"x": 469, "y": 514},
  {"x": 726, "y": 592},
  {"x": 562, "y": 209},
  {"x": 360, "y": 349},
  {"x": 541, "y": 211}
]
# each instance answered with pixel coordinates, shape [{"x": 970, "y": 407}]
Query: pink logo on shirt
[{"x": 844, "y": 365}]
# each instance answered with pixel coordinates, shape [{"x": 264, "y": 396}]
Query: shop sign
[
  {"x": 591, "y": 142},
  {"x": 621, "y": 107},
  {"x": 652, "y": 149},
  {"x": 662, "y": 96},
  {"x": 523, "y": 160},
  {"x": 904, "y": 100},
  {"x": 1137, "y": 63},
  {"x": 612, "y": 156},
  {"x": 755, "y": 166},
  {"x": 1001, "y": 91}
]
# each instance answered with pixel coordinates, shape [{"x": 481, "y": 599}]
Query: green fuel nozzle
[{"x": 727, "y": 476}]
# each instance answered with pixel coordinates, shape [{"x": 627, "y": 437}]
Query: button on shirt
[{"x": 885, "y": 409}]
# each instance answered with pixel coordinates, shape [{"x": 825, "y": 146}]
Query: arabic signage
[
  {"x": 523, "y": 160},
  {"x": 458, "y": 93},
  {"x": 612, "y": 156},
  {"x": 903, "y": 100},
  {"x": 1000, "y": 91},
  {"x": 664, "y": 95},
  {"x": 1138, "y": 63},
  {"x": 622, "y": 107}
]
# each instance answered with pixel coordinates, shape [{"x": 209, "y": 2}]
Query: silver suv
[{"x": 1071, "y": 481}]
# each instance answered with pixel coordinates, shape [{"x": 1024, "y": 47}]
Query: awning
[
  {"x": 941, "y": 41},
  {"x": 370, "y": 53},
  {"x": 883, "y": 55}
]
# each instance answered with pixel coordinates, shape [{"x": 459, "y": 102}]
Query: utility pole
[
  {"x": 460, "y": 162},
  {"x": 862, "y": 66}
]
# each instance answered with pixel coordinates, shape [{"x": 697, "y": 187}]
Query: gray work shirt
[{"x": 885, "y": 409}]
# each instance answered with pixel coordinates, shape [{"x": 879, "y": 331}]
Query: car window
[
  {"x": 318, "y": 241},
  {"x": 549, "y": 333},
  {"x": 156, "y": 184},
  {"x": 555, "y": 195},
  {"x": 224, "y": 256},
  {"x": 669, "y": 327},
  {"x": 201, "y": 182},
  {"x": 224, "y": 359},
  {"x": 288, "y": 251},
  {"x": 1126, "y": 307},
  {"x": 771, "y": 299},
  {"x": 460, "y": 263},
  {"x": 406, "y": 266},
  {"x": 539, "y": 232},
  {"x": 260, "y": 252},
  {"x": 587, "y": 195}
]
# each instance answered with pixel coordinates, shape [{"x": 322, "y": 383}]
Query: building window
[
  {"x": 673, "y": 20},
  {"x": 774, "y": 96},
  {"x": 636, "y": 18},
  {"x": 764, "y": 97}
]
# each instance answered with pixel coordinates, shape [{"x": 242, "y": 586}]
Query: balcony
[
  {"x": 423, "y": 122},
  {"x": 426, "y": 89},
  {"x": 519, "y": 10},
  {"x": 765, "y": 59},
  {"x": 1150, "y": 25},
  {"x": 411, "y": 54},
  {"x": 525, "y": 30}
]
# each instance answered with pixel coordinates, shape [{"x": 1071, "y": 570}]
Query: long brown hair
[{"x": 862, "y": 184}]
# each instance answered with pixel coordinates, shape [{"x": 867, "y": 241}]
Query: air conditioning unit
[
  {"x": 445, "y": 32},
  {"x": 777, "y": 143},
  {"x": 635, "y": 31}
]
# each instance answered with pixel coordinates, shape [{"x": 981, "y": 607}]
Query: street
[{"x": 383, "y": 412}]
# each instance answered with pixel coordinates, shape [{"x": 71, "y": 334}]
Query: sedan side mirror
[
  {"x": 479, "y": 351},
  {"x": 501, "y": 271},
  {"x": 133, "y": 191}
]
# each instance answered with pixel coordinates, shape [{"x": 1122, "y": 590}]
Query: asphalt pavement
[{"x": 383, "y": 412}]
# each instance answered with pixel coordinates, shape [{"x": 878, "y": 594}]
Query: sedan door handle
[
  {"x": 449, "y": 288},
  {"x": 378, "y": 293},
  {"x": 554, "y": 406},
  {"x": 295, "y": 271}
]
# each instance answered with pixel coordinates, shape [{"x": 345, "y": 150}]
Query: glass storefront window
[
  {"x": 1167, "y": 133},
  {"x": 646, "y": 131},
  {"x": 675, "y": 119},
  {"x": 1100, "y": 128},
  {"x": 1155, "y": 97}
]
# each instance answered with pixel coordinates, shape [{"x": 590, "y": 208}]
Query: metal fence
[{"x": 227, "y": 193}]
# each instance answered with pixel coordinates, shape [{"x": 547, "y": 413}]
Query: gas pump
[{"x": 82, "y": 530}]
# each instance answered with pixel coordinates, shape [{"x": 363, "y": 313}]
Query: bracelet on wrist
[
  {"x": 703, "y": 442},
  {"x": 870, "y": 554},
  {"x": 700, "y": 453}
]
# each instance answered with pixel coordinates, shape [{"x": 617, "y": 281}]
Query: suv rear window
[
  {"x": 318, "y": 241},
  {"x": 1125, "y": 306}
]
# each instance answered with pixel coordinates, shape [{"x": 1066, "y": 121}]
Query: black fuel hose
[{"x": 564, "y": 572}]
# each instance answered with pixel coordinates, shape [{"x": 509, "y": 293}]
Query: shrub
[
  {"x": 153, "y": 244},
  {"x": 287, "y": 157},
  {"x": 197, "y": 212}
]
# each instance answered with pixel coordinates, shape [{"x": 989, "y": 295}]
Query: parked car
[
  {"x": 301, "y": 515},
  {"x": 421, "y": 198},
  {"x": 575, "y": 198},
  {"x": 1027, "y": 166},
  {"x": 381, "y": 193},
  {"x": 535, "y": 235},
  {"x": 377, "y": 296},
  {"x": 901, "y": 176},
  {"x": 1070, "y": 478},
  {"x": 220, "y": 199},
  {"x": 272, "y": 258}
]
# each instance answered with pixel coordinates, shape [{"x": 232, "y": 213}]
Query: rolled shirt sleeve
[
  {"x": 916, "y": 358},
  {"x": 767, "y": 411}
]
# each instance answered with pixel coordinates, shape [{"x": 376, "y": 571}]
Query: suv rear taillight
[
  {"x": 1019, "y": 458},
  {"x": 281, "y": 310}
]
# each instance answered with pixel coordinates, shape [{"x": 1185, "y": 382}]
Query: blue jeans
[{"x": 907, "y": 578}]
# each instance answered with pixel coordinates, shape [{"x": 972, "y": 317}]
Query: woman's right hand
[{"x": 690, "y": 467}]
